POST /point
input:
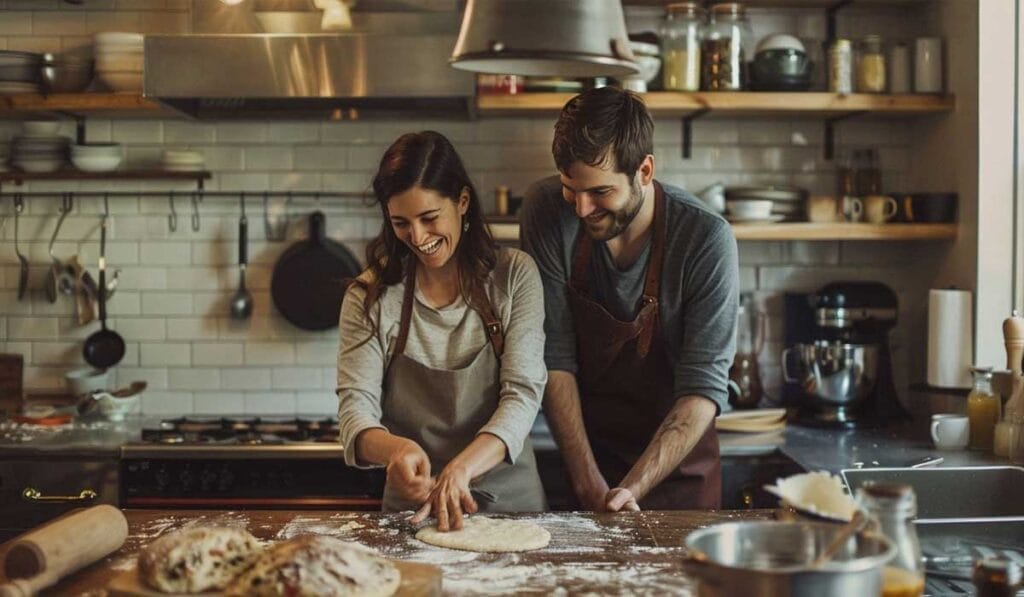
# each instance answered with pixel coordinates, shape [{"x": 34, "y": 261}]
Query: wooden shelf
[
  {"x": 150, "y": 174},
  {"x": 131, "y": 105},
  {"x": 504, "y": 230},
  {"x": 736, "y": 103}
]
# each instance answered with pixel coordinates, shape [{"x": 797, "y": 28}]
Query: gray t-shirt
[
  {"x": 446, "y": 338},
  {"x": 699, "y": 285}
]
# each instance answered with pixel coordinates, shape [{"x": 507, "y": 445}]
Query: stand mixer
[{"x": 838, "y": 367}]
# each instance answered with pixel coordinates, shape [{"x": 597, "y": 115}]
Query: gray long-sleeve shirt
[
  {"x": 699, "y": 285},
  {"x": 446, "y": 338}
]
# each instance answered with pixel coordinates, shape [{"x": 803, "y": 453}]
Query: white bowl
[
  {"x": 96, "y": 163},
  {"x": 120, "y": 62},
  {"x": 114, "y": 408},
  {"x": 97, "y": 149},
  {"x": 40, "y": 128},
  {"x": 749, "y": 208},
  {"x": 118, "y": 38},
  {"x": 85, "y": 380},
  {"x": 121, "y": 80},
  {"x": 780, "y": 41}
]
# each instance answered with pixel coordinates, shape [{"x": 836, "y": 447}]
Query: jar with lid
[
  {"x": 680, "y": 46},
  {"x": 996, "y": 577},
  {"x": 840, "y": 66},
  {"x": 871, "y": 66},
  {"x": 725, "y": 48},
  {"x": 983, "y": 406},
  {"x": 893, "y": 507}
]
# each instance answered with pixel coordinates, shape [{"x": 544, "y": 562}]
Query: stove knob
[{"x": 162, "y": 478}]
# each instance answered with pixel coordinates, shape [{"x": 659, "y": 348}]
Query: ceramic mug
[
  {"x": 853, "y": 209},
  {"x": 822, "y": 208},
  {"x": 950, "y": 432},
  {"x": 879, "y": 209}
]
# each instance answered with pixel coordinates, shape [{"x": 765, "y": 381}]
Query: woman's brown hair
[{"x": 427, "y": 160}]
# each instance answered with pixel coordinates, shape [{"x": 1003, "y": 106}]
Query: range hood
[{"x": 334, "y": 76}]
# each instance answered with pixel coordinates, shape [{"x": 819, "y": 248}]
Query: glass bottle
[
  {"x": 680, "y": 46},
  {"x": 871, "y": 66},
  {"x": 869, "y": 174},
  {"x": 893, "y": 506},
  {"x": 996, "y": 577},
  {"x": 846, "y": 176},
  {"x": 983, "y": 407},
  {"x": 725, "y": 48},
  {"x": 840, "y": 67}
]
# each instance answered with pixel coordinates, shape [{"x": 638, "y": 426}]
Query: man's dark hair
[{"x": 600, "y": 124}]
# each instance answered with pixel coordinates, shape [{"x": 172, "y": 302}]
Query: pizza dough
[
  {"x": 480, "y": 533},
  {"x": 317, "y": 565},
  {"x": 197, "y": 559}
]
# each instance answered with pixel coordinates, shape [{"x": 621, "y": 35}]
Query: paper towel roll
[{"x": 950, "y": 341}]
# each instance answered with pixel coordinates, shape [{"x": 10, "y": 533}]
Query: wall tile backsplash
[{"x": 172, "y": 302}]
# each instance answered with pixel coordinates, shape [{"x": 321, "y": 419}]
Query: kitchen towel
[{"x": 950, "y": 341}]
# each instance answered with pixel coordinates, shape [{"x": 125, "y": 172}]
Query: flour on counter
[
  {"x": 304, "y": 525},
  {"x": 547, "y": 578}
]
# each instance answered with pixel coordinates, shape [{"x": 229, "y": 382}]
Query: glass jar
[
  {"x": 871, "y": 66},
  {"x": 893, "y": 506},
  {"x": 725, "y": 48},
  {"x": 996, "y": 577},
  {"x": 840, "y": 66},
  {"x": 869, "y": 173},
  {"x": 680, "y": 46},
  {"x": 983, "y": 407}
]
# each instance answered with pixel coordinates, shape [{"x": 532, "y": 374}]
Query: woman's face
[{"x": 429, "y": 223}]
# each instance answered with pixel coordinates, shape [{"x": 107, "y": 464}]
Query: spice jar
[
  {"x": 680, "y": 46},
  {"x": 893, "y": 506},
  {"x": 871, "y": 66},
  {"x": 840, "y": 66},
  {"x": 723, "y": 51},
  {"x": 983, "y": 407}
]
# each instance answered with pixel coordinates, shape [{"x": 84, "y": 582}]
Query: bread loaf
[
  {"x": 317, "y": 565},
  {"x": 197, "y": 559}
]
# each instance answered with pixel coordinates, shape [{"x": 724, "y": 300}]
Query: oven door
[{"x": 248, "y": 483}]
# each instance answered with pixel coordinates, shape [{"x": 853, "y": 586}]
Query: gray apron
[{"x": 442, "y": 410}]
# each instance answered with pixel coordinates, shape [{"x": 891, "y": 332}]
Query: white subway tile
[
  {"x": 155, "y": 377},
  {"x": 270, "y": 403},
  {"x": 217, "y": 354},
  {"x": 164, "y": 22},
  {"x": 349, "y": 182},
  {"x": 16, "y": 22},
  {"x": 140, "y": 4},
  {"x": 165, "y": 354},
  {"x": 34, "y": 44},
  {"x": 166, "y": 253},
  {"x": 122, "y": 20},
  {"x": 143, "y": 278},
  {"x": 748, "y": 279},
  {"x": 167, "y": 403},
  {"x": 811, "y": 253},
  {"x": 219, "y": 403},
  {"x": 321, "y": 157},
  {"x": 323, "y": 403},
  {"x": 186, "y": 134},
  {"x": 765, "y": 132},
  {"x": 760, "y": 252},
  {"x": 56, "y": 354},
  {"x": 32, "y": 328},
  {"x": 58, "y": 23},
  {"x": 197, "y": 278},
  {"x": 148, "y": 329},
  {"x": 250, "y": 181},
  {"x": 186, "y": 328},
  {"x": 803, "y": 279},
  {"x": 131, "y": 132},
  {"x": 295, "y": 378},
  {"x": 44, "y": 378},
  {"x": 246, "y": 379},
  {"x": 347, "y": 132},
  {"x": 22, "y": 348},
  {"x": 242, "y": 132},
  {"x": 294, "y": 132},
  {"x": 193, "y": 379},
  {"x": 124, "y": 302},
  {"x": 269, "y": 353},
  {"x": 316, "y": 353},
  {"x": 268, "y": 157},
  {"x": 296, "y": 181}
]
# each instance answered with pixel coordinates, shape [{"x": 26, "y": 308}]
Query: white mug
[
  {"x": 950, "y": 432},
  {"x": 853, "y": 209},
  {"x": 928, "y": 65}
]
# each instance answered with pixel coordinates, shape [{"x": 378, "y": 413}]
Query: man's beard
[{"x": 621, "y": 219}]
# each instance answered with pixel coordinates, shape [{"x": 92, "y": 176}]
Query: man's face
[{"x": 605, "y": 200}]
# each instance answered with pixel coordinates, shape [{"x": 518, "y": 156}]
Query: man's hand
[
  {"x": 593, "y": 496},
  {"x": 448, "y": 500},
  {"x": 408, "y": 472},
  {"x": 621, "y": 499}
]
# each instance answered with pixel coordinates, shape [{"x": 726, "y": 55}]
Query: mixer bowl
[{"x": 833, "y": 374}]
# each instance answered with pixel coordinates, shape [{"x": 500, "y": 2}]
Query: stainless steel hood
[{"x": 354, "y": 75}]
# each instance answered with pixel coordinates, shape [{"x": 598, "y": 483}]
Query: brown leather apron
[
  {"x": 625, "y": 378},
  {"x": 442, "y": 410}
]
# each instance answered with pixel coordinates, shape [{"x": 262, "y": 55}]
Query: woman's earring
[{"x": 465, "y": 225}]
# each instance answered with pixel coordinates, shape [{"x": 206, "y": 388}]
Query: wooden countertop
[{"x": 603, "y": 553}]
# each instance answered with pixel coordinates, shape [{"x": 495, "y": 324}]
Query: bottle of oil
[
  {"x": 983, "y": 406},
  {"x": 893, "y": 506},
  {"x": 996, "y": 577}
]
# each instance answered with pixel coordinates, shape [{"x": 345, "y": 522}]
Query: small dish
[{"x": 743, "y": 220}]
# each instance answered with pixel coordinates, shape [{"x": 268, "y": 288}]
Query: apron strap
[
  {"x": 579, "y": 279},
  {"x": 479, "y": 303},
  {"x": 652, "y": 281}
]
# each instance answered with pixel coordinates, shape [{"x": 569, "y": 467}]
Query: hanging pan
[
  {"x": 309, "y": 279},
  {"x": 104, "y": 348}
]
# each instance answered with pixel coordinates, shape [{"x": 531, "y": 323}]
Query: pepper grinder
[{"x": 1012, "y": 423}]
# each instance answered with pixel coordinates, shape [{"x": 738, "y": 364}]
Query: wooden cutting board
[
  {"x": 418, "y": 580},
  {"x": 755, "y": 421}
]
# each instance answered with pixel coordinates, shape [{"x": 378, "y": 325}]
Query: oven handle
[
  {"x": 317, "y": 502},
  {"x": 32, "y": 494}
]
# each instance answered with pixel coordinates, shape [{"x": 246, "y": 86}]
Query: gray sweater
[
  {"x": 447, "y": 338},
  {"x": 699, "y": 285}
]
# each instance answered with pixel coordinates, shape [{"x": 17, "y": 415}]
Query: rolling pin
[{"x": 42, "y": 557}]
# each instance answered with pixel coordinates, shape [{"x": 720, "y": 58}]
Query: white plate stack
[
  {"x": 180, "y": 160},
  {"x": 119, "y": 60},
  {"x": 39, "y": 154}
]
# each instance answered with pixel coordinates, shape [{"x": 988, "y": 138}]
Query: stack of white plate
[
  {"x": 179, "y": 160},
  {"x": 97, "y": 157},
  {"x": 119, "y": 60},
  {"x": 19, "y": 72},
  {"x": 788, "y": 203},
  {"x": 39, "y": 154}
]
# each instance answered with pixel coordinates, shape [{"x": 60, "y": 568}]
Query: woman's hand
[
  {"x": 449, "y": 499},
  {"x": 408, "y": 471}
]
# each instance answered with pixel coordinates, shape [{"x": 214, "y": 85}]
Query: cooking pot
[
  {"x": 833, "y": 374},
  {"x": 774, "y": 559}
]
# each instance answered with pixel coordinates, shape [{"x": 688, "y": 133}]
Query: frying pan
[
  {"x": 308, "y": 281},
  {"x": 104, "y": 348}
]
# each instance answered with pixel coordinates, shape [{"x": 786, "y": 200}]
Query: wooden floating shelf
[
  {"x": 131, "y": 105},
  {"x": 150, "y": 174},
  {"x": 503, "y": 230},
  {"x": 737, "y": 103}
]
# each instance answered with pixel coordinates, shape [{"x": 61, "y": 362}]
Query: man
[{"x": 641, "y": 294}]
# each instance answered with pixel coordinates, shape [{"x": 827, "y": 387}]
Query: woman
[{"x": 440, "y": 368}]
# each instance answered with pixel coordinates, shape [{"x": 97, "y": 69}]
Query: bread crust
[{"x": 197, "y": 559}]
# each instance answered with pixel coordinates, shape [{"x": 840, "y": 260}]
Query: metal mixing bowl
[
  {"x": 833, "y": 374},
  {"x": 773, "y": 559},
  {"x": 65, "y": 76}
]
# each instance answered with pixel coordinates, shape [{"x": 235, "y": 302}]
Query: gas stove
[{"x": 244, "y": 462}]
